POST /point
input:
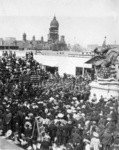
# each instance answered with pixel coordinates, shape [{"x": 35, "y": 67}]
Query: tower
[
  {"x": 104, "y": 42},
  {"x": 33, "y": 39},
  {"x": 24, "y": 37},
  {"x": 53, "y": 31},
  {"x": 42, "y": 39},
  {"x": 62, "y": 40}
]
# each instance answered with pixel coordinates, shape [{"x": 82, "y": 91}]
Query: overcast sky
[{"x": 81, "y": 21}]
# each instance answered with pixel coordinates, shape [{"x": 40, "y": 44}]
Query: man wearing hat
[
  {"x": 95, "y": 142},
  {"x": 116, "y": 138},
  {"x": 28, "y": 129},
  {"x": 7, "y": 120},
  {"x": 45, "y": 144},
  {"x": 69, "y": 128},
  {"x": 52, "y": 131},
  {"x": 110, "y": 124},
  {"x": 76, "y": 138},
  {"x": 106, "y": 140},
  {"x": 20, "y": 118},
  {"x": 114, "y": 115},
  {"x": 59, "y": 133},
  {"x": 1, "y": 118},
  {"x": 64, "y": 135},
  {"x": 69, "y": 145}
]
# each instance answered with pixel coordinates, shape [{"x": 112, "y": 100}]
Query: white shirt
[{"x": 95, "y": 143}]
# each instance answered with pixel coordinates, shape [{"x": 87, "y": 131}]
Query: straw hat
[
  {"x": 109, "y": 119},
  {"x": 69, "y": 122},
  {"x": 84, "y": 106},
  {"x": 30, "y": 114},
  {"x": 95, "y": 134},
  {"x": 51, "y": 99},
  {"x": 74, "y": 98},
  {"x": 72, "y": 108},
  {"x": 8, "y": 133},
  {"x": 23, "y": 142},
  {"x": 86, "y": 140},
  {"x": 111, "y": 108},
  {"x": 60, "y": 115},
  {"x": 81, "y": 101}
]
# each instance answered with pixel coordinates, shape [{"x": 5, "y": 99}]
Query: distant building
[
  {"x": 53, "y": 42},
  {"x": 9, "y": 41},
  {"x": 1, "y": 41},
  {"x": 77, "y": 48},
  {"x": 114, "y": 45}
]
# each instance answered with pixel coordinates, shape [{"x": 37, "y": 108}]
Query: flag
[{"x": 104, "y": 72}]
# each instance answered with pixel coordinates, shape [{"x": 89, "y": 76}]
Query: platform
[{"x": 106, "y": 89}]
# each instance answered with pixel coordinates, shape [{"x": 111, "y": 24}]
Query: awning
[
  {"x": 94, "y": 59},
  {"x": 99, "y": 62}
]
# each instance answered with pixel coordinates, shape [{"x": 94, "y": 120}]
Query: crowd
[{"x": 46, "y": 113}]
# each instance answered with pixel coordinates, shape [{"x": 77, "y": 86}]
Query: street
[{"x": 8, "y": 145}]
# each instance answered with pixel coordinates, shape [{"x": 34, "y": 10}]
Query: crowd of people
[{"x": 42, "y": 113}]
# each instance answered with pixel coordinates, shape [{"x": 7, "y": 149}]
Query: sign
[
  {"x": 40, "y": 128},
  {"x": 34, "y": 78}
]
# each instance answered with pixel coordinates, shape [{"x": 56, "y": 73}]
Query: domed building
[
  {"x": 54, "y": 31},
  {"x": 53, "y": 42}
]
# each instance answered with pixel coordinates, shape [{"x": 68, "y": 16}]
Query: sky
[{"x": 81, "y": 21}]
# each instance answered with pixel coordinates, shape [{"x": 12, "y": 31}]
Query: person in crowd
[
  {"x": 116, "y": 138},
  {"x": 45, "y": 144},
  {"x": 95, "y": 142},
  {"x": 107, "y": 140}
]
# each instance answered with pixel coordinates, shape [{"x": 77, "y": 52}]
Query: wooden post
[{"x": 118, "y": 109}]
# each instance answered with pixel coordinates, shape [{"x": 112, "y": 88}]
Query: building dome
[{"x": 54, "y": 23}]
